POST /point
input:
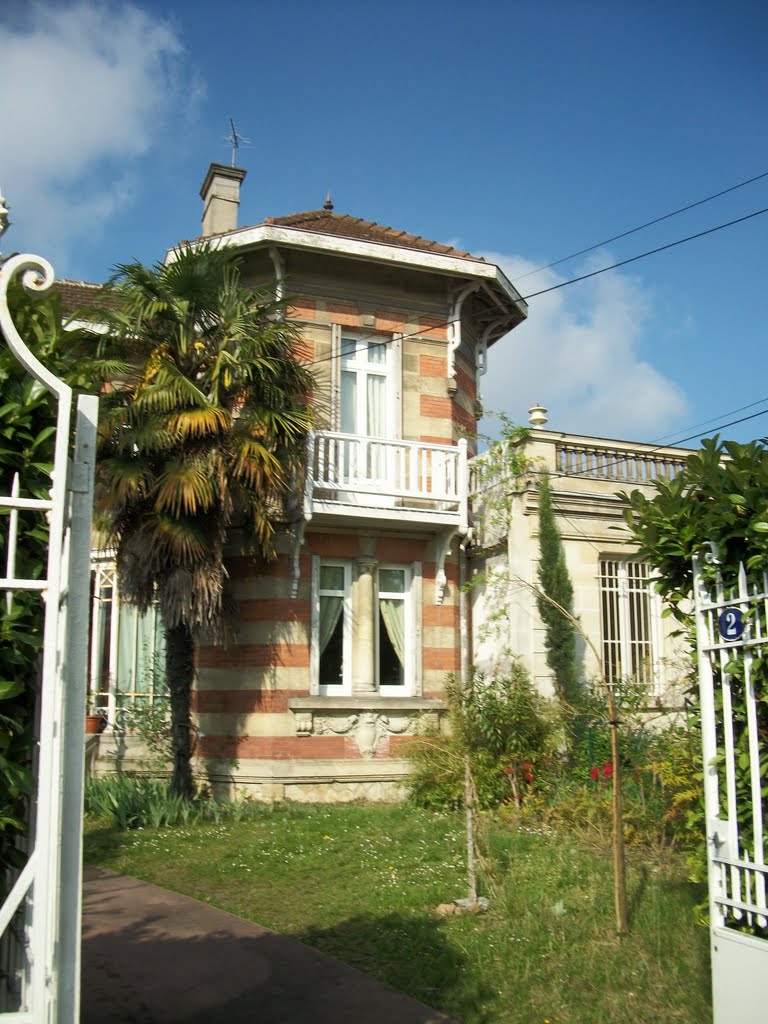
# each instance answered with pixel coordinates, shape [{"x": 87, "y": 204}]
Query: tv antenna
[{"x": 234, "y": 139}]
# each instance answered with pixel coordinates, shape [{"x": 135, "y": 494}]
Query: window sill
[{"x": 365, "y": 702}]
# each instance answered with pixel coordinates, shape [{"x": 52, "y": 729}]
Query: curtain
[
  {"x": 126, "y": 645},
  {"x": 393, "y": 613},
  {"x": 376, "y": 390},
  {"x": 348, "y": 419},
  {"x": 376, "y": 401},
  {"x": 330, "y": 611},
  {"x": 140, "y": 651}
]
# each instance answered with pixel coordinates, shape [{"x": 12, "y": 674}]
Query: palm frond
[
  {"x": 121, "y": 481},
  {"x": 204, "y": 422},
  {"x": 184, "y": 489}
]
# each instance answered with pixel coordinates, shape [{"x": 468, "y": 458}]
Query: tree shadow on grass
[
  {"x": 636, "y": 894},
  {"x": 411, "y": 953}
]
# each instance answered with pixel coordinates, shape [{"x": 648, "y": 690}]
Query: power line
[
  {"x": 722, "y": 426},
  {"x": 641, "y": 227},
  {"x": 650, "y": 252},
  {"x": 704, "y": 423}
]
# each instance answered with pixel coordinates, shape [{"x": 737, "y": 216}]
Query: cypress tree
[{"x": 560, "y": 633}]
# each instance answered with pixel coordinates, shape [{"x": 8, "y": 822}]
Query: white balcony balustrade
[
  {"x": 626, "y": 464},
  {"x": 623, "y": 464},
  {"x": 410, "y": 479}
]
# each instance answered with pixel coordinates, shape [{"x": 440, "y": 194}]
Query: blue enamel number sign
[{"x": 730, "y": 623}]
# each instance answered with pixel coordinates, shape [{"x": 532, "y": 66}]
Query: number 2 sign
[{"x": 731, "y": 623}]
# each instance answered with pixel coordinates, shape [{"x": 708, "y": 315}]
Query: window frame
[
  {"x": 630, "y": 594},
  {"x": 105, "y": 666},
  {"x": 344, "y": 689},
  {"x": 412, "y": 597},
  {"x": 391, "y": 371},
  {"x": 407, "y": 688}
]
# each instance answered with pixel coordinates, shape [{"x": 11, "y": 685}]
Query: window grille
[{"x": 629, "y": 615}]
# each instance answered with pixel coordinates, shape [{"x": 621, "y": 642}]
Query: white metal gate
[
  {"x": 40, "y": 918},
  {"x": 732, "y": 648}
]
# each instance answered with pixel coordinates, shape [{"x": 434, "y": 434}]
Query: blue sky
[{"x": 521, "y": 132}]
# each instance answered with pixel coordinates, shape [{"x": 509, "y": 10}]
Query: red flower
[
  {"x": 509, "y": 771},
  {"x": 527, "y": 766},
  {"x": 594, "y": 773},
  {"x": 528, "y": 777},
  {"x": 608, "y": 769}
]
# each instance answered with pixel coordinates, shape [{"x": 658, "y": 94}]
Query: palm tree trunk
[{"x": 180, "y": 671}]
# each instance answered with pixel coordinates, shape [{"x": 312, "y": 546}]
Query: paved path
[{"x": 154, "y": 957}]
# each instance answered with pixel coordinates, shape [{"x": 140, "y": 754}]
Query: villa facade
[
  {"x": 614, "y": 600},
  {"x": 346, "y": 638}
]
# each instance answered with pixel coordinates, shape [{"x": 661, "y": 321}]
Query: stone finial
[
  {"x": 328, "y": 205},
  {"x": 537, "y": 416},
  {"x": 4, "y": 222}
]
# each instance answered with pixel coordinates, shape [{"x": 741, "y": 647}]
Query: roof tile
[
  {"x": 77, "y": 295},
  {"x": 345, "y": 226}
]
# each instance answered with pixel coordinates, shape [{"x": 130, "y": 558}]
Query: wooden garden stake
[{"x": 619, "y": 858}]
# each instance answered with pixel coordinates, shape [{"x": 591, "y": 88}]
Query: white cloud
[
  {"x": 92, "y": 84},
  {"x": 578, "y": 355}
]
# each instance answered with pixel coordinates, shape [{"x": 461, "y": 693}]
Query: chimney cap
[{"x": 221, "y": 171}]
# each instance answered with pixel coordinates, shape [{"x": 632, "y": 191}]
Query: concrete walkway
[{"x": 154, "y": 957}]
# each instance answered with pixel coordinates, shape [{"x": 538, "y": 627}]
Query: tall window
[
  {"x": 333, "y": 627},
  {"x": 394, "y": 639},
  {"x": 629, "y": 619},
  {"x": 127, "y": 651},
  {"x": 365, "y": 387},
  {"x": 393, "y": 629}
]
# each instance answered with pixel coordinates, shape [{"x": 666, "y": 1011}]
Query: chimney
[{"x": 220, "y": 193}]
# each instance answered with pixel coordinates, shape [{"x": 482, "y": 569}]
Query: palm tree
[{"x": 202, "y": 434}]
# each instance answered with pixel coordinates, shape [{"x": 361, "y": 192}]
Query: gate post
[
  {"x": 48, "y": 888},
  {"x": 731, "y": 646}
]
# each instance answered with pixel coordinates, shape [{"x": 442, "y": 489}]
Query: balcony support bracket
[{"x": 444, "y": 543}]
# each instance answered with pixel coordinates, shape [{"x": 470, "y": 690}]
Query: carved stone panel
[{"x": 367, "y": 728}]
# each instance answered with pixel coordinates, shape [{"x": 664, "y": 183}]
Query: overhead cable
[{"x": 641, "y": 227}]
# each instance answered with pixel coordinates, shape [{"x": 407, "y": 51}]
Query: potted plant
[{"x": 95, "y": 719}]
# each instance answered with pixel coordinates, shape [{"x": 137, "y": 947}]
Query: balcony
[{"x": 351, "y": 477}]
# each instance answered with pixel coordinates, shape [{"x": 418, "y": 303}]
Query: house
[
  {"x": 346, "y": 638},
  {"x": 614, "y": 599}
]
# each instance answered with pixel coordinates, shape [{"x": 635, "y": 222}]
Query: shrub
[
  {"x": 503, "y": 726},
  {"x": 661, "y": 797},
  {"x": 591, "y": 732},
  {"x": 131, "y": 802}
]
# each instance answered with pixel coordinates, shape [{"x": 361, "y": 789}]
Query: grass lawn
[{"x": 361, "y": 883}]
